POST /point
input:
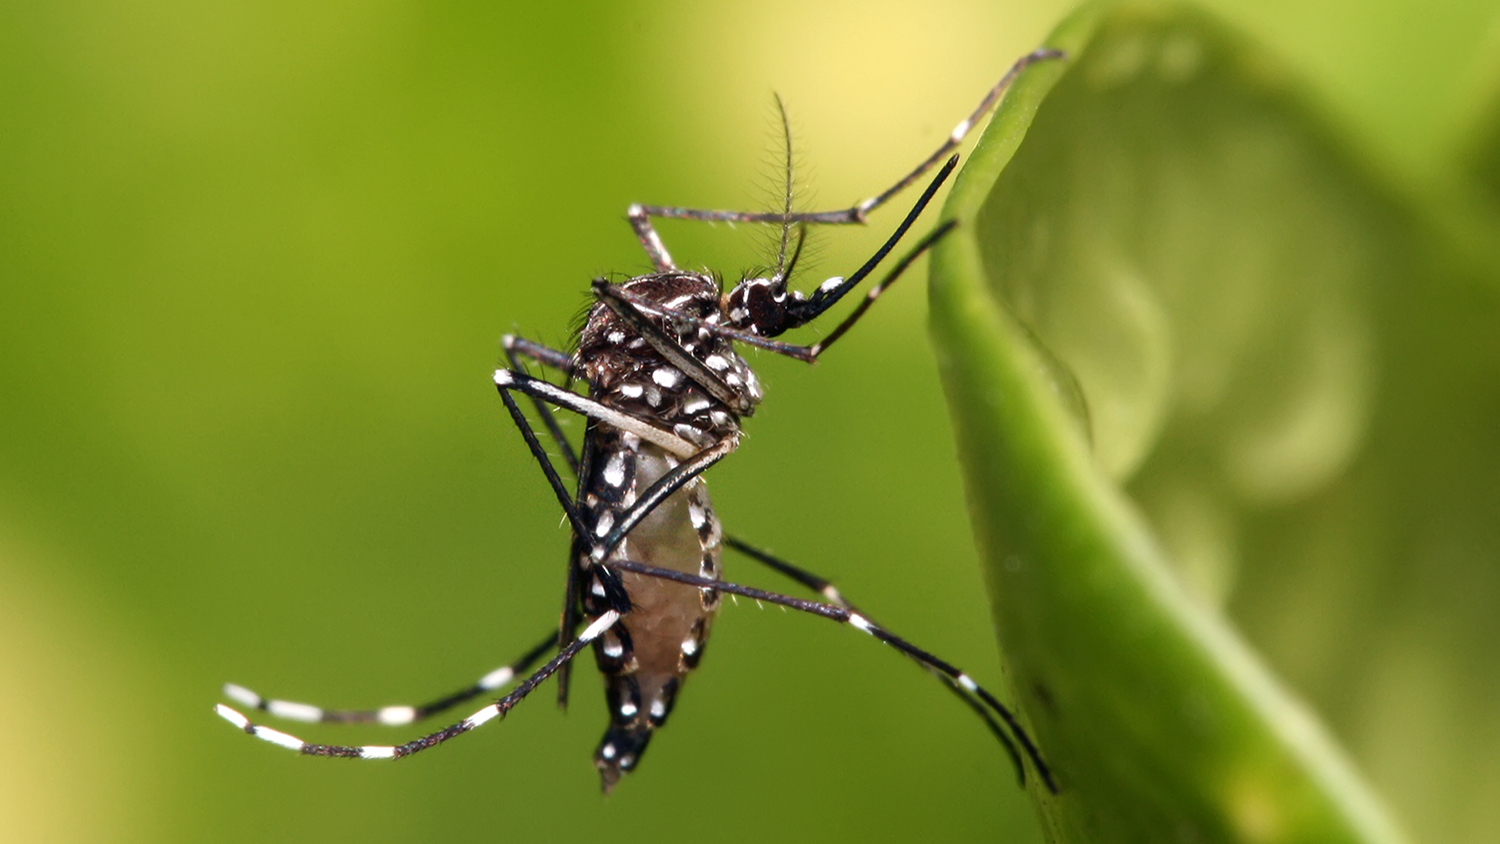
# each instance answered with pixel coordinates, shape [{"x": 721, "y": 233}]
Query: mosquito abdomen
[{"x": 646, "y": 657}]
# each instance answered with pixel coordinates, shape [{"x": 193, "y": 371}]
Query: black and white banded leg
[
  {"x": 863, "y": 623},
  {"x": 831, "y": 594},
  {"x": 821, "y": 300},
  {"x": 389, "y": 715},
  {"x": 478, "y": 719},
  {"x": 970, "y": 698},
  {"x": 695, "y": 460},
  {"x": 517, "y": 348},
  {"x": 640, "y": 216}
]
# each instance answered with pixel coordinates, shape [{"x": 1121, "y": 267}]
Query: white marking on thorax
[{"x": 666, "y": 376}]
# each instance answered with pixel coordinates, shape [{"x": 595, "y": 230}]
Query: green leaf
[{"x": 1155, "y": 322}]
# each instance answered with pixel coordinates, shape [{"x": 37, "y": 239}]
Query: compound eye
[{"x": 758, "y": 305}]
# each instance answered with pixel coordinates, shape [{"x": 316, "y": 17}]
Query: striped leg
[
  {"x": 478, "y": 719},
  {"x": 389, "y": 715},
  {"x": 695, "y": 460},
  {"x": 545, "y": 393},
  {"x": 517, "y": 348},
  {"x": 807, "y": 354},
  {"x": 640, "y": 216},
  {"x": 507, "y": 380},
  {"x": 973, "y": 698},
  {"x": 861, "y": 622},
  {"x": 831, "y": 594}
]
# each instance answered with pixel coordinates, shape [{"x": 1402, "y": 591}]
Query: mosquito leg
[
  {"x": 681, "y": 475},
  {"x": 698, "y": 460},
  {"x": 564, "y": 498},
  {"x": 496, "y": 709},
  {"x": 926, "y": 243},
  {"x": 567, "y": 625},
  {"x": 389, "y": 715},
  {"x": 831, "y": 594},
  {"x": 508, "y": 379},
  {"x": 956, "y": 137},
  {"x": 640, "y": 221},
  {"x": 600, "y": 546},
  {"x": 614, "y": 591},
  {"x": 862, "y": 623},
  {"x": 854, "y": 214},
  {"x": 786, "y": 569},
  {"x": 517, "y": 348},
  {"x": 808, "y": 354}
]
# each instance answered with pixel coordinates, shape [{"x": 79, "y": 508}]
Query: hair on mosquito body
[{"x": 655, "y": 372}]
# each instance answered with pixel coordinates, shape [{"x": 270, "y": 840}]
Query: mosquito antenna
[
  {"x": 791, "y": 266},
  {"x": 782, "y": 270}
]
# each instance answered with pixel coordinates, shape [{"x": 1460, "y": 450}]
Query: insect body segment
[{"x": 646, "y": 657}]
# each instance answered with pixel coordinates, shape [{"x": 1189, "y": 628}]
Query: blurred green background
[{"x": 254, "y": 265}]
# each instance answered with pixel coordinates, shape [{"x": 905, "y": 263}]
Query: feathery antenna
[{"x": 782, "y": 270}]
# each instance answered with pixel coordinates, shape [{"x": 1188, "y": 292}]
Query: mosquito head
[{"x": 764, "y": 306}]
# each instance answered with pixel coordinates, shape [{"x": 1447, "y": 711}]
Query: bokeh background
[{"x": 255, "y": 261}]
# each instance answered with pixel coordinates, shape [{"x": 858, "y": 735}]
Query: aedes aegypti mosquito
[{"x": 666, "y": 392}]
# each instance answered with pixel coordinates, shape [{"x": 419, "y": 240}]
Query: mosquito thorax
[{"x": 627, "y": 373}]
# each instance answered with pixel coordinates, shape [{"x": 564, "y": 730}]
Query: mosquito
[{"x": 666, "y": 392}]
